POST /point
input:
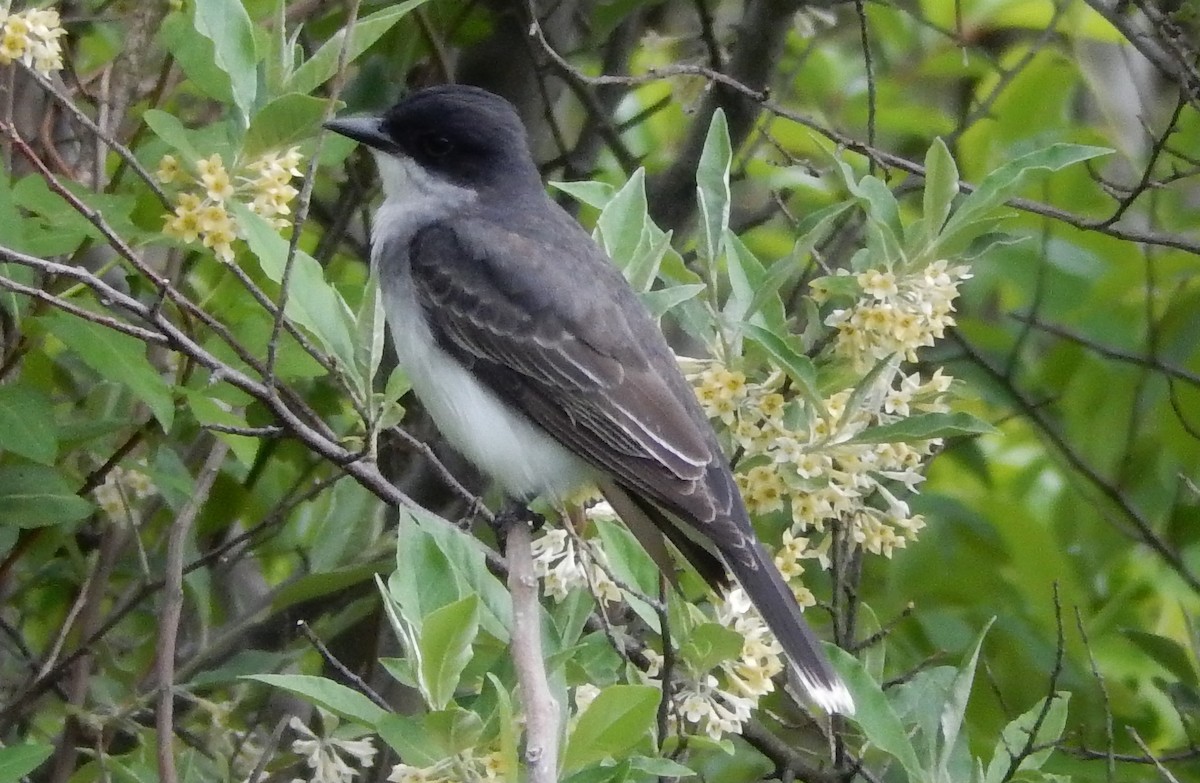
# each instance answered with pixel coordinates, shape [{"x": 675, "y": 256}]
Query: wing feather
[{"x": 577, "y": 366}]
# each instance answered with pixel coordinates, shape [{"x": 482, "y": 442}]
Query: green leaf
[
  {"x": 712, "y": 187},
  {"x": 207, "y": 410},
  {"x": 408, "y": 736},
  {"x": 195, "y": 55},
  {"x": 312, "y": 302},
  {"x": 924, "y": 426},
  {"x": 592, "y": 194},
  {"x": 369, "y": 328},
  {"x": 874, "y": 714},
  {"x": 508, "y": 730},
  {"x": 884, "y": 231},
  {"x": 1002, "y": 183},
  {"x": 321, "y": 67},
  {"x": 661, "y": 301},
  {"x": 446, "y": 639},
  {"x": 710, "y": 644},
  {"x": 168, "y": 128},
  {"x": 427, "y": 739},
  {"x": 749, "y": 299},
  {"x": 228, "y": 26},
  {"x": 17, "y": 761},
  {"x": 1016, "y": 736},
  {"x": 438, "y": 564},
  {"x": 954, "y": 711},
  {"x": 37, "y": 496},
  {"x": 1168, "y": 653},
  {"x": 27, "y": 423},
  {"x": 622, "y": 222},
  {"x": 283, "y": 122},
  {"x": 798, "y": 366},
  {"x": 617, "y": 720},
  {"x": 661, "y": 768},
  {"x": 117, "y": 357},
  {"x": 324, "y": 583},
  {"x": 941, "y": 186},
  {"x": 335, "y": 697},
  {"x": 632, "y": 565}
]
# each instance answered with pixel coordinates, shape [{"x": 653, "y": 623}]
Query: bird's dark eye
[{"x": 435, "y": 145}]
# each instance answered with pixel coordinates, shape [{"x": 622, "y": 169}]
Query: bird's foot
[{"x": 515, "y": 512}]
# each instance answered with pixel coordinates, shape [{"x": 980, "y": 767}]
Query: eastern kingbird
[{"x": 538, "y": 361}]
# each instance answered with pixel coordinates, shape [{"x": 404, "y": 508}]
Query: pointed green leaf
[
  {"x": 712, "y": 187},
  {"x": 1002, "y": 183},
  {"x": 335, "y": 697},
  {"x": 622, "y": 222},
  {"x": 660, "y": 302},
  {"x": 37, "y": 496},
  {"x": 117, "y": 357},
  {"x": 195, "y": 55},
  {"x": 321, "y": 67},
  {"x": 228, "y": 26},
  {"x": 17, "y": 761},
  {"x": 369, "y": 328},
  {"x": 446, "y": 639},
  {"x": 283, "y": 122},
  {"x": 941, "y": 186},
  {"x": 593, "y": 194},
  {"x": 798, "y": 366},
  {"x": 616, "y": 721},
  {"x": 925, "y": 426},
  {"x": 955, "y": 709},
  {"x": 27, "y": 423},
  {"x": 168, "y": 128},
  {"x": 874, "y": 714},
  {"x": 312, "y": 302},
  {"x": 1016, "y": 736},
  {"x": 1166, "y": 652}
]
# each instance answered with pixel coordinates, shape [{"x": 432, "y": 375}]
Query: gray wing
[{"x": 552, "y": 328}]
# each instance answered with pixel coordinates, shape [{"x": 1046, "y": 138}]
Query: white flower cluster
[
  {"x": 31, "y": 36},
  {"x": 801, "y": 459},
  {"x": 720, "y": 701},
  {"x": 896, "y": 313},
  {"x": 562, "y": 566},
  {"x": 201, "y": 209},
  {"x": 122, "y": 486},
  {"x": 324, "y": 754}
]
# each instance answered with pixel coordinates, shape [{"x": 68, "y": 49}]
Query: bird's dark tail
[{"x": 776, "y": 603}]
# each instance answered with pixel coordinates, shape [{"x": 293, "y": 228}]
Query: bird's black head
[{"x": 461, "y": 134}]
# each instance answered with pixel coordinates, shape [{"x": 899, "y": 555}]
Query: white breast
[{"x": 499, "y": 441}]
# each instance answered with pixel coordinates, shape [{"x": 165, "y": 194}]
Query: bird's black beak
[{"x": 364, "y": 130}]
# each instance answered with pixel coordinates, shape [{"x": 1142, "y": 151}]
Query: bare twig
[
  {"x": 352, "y": 679},
  {"x": 305, "y": 197},
  {"x": 172, "y": 608}
]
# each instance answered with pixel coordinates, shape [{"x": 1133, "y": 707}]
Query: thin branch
[
  {"x": 1163, "y": 771},
  {"x": 352, "y": 679},
  {"x": 1145, "y": 532},
  {"x": 541, "y": 710},
  {"x": 1108, "y": 352},
  {"x": 124, "y": 152},
  {"x": 172, "y": 608},
  {"x": 305, "y": 197}
]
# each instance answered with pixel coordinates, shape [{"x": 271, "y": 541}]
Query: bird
[{"x": 536, "y": 359}]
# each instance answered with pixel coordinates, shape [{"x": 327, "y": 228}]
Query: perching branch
[{"x": 542, "y": 713}]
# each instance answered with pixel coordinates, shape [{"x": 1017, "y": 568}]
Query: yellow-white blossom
[
  {"x": 201, "y": 208},
  {"x": 324, "y": 755},
  {"x": 31, "y": 36}
]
